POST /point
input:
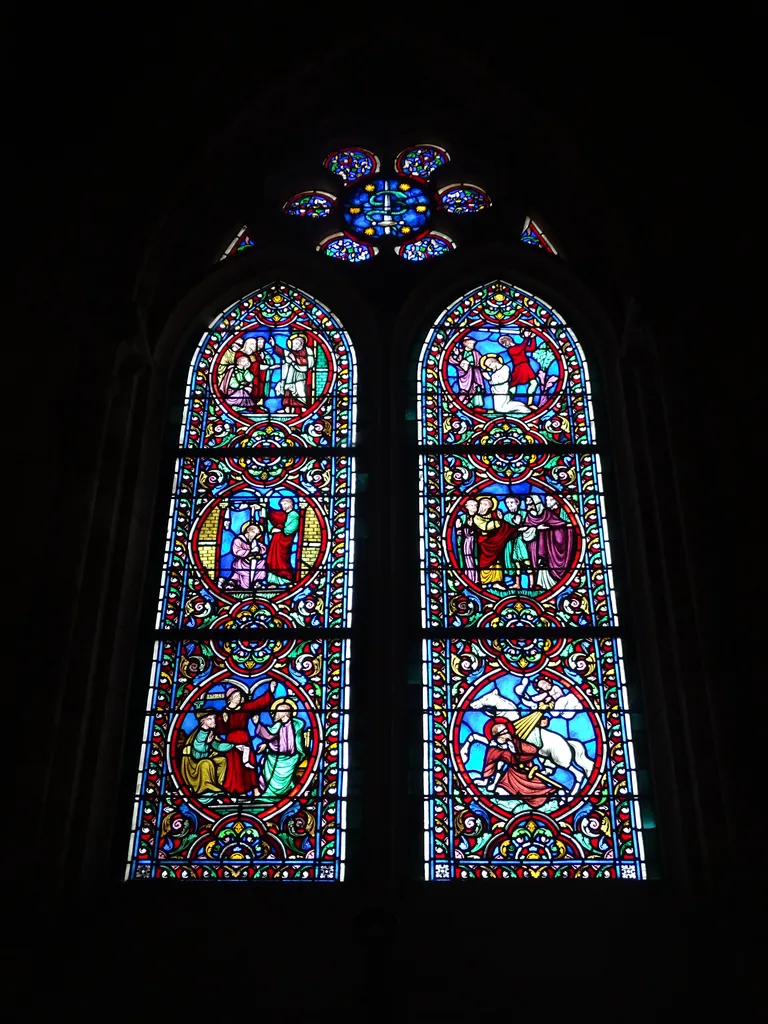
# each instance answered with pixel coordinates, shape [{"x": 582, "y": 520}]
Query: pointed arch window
[
  {"x": 532, "y": 234},
  {"x": 242, "y": 240},
  {"x": 529, "y": 766},
  {"x": 243, "y": 765}
]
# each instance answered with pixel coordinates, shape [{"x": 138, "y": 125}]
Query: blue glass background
[{"x": 388, "y": 209}]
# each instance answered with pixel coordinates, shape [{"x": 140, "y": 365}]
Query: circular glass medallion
[{"x": 387, "y": 207}]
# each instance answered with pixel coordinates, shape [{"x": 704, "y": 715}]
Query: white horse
[{"x": 555, "y": 750}]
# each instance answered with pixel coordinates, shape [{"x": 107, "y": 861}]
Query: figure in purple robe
[
  {"x": 552, "y": 548},
  {"x": 249, "y": 566},
  {"x": 237, "y": 383},
  {"x": 470, "y": 376},
  {"x": 467, "y": 537}
]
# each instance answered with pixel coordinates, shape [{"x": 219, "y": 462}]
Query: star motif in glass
[{"x": 396, "y": 209}]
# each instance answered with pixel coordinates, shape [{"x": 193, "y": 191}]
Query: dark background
[{"x": 134, "y": 149}]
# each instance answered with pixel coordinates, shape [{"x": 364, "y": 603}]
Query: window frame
[{"x": 381, "y": 347}]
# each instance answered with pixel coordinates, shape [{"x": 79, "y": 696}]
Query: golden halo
[{"x": 285, "y": 700}]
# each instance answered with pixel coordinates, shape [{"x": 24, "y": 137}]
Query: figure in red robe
[
  {"x": 285, "y": 524},
  {"x": 508, "y": 763},
  {"x": 232, "y": 724},
  {"x": 493, "y": 535},
  {"x": 522, "y": 374}
]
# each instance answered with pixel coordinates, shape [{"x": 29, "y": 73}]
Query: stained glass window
[
  {"x": 389, "y": 209},
  {"x": 529, "y": 765},
  {"x": 343, "y": 247},
  {"x": 310, "y": 204},
  {"x": 533, "y": 235},
  {"x": 351, "y": 164},
  {"x": 421, "y": 161},
  {"x": 243, "y": 765},
  {"x": 434, "y": 243},
  {"x": 461, "y": 198},
  {"x": 242, "y": 240}
]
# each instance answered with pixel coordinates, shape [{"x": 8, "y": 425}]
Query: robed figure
[
  {"x": 509, "y": 766},
  {"x": 203, "y": 764},
  {"x": 296, "y": 383},
  {"x": 249, "y": 561},
  {"x": 232, "y": 723},
  {"x": 285, "y": 524},
  {"x": 497, "y": 373},
  {"x": 493, "y": 535},
  {"x": 522, "y": 373},
  {"x": 263, "y": 361},
  {"x": 237, "y": 383},
  {"x": 554, "y": 544},
  {"x": 284, "y": 750},
  {"x": 469, "y": 375},
  {"x": 466, "y": 533}
]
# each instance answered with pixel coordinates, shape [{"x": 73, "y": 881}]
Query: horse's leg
[
  {"x": 559, "y": 752},
  {"x": 475, "y": 737},
  {"x": 555, "y": 749},
  {"x": 580, "y": 756},
  {"x": 579, "y": 777}
]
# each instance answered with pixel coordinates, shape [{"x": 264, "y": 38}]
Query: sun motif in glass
[{"x": 401, "y": 208}]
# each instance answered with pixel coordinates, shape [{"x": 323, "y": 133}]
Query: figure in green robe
[
  {"x": 517, "y": 556},
  {"x": 284, "y": 750}
]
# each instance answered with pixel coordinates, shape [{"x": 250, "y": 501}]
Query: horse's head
[{"x": 486, "y": 700}]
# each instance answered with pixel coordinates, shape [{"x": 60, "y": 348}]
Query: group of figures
[
  {"x": 536, "y": 742},
  {"x": 263, "y": 553},
  {"x": 257, "y": 374},
  {"x": 529, "y": 768},
  {"x": 500, "y": 370},
  {"x": 233, "y": 754},
  {"x": 243, "y": 763},
  {"x": 530, "y": 545}
]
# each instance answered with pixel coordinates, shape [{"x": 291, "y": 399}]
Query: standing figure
[
  {"x": 466, "y": 534},
  {"x": 493, "y": 535},
  {"x": 497, "y": 373},
  {"x": 284, "y": 749},
  {"x": 285, "y": 524},
  {"x": 203, "y": 762},
  {"x": 517, "y": 557},
  {"x": 522, "y": 371},
  {"x": 554, "y": 545},
  {"x": 263, "y": 361},
  {"x": 298, "y": 361},
  {"x": 232, "y": 723},
  {"x": 509, "y": 766},
  {"x": 471, "y": 388},
  {"x": 248, "y": 564}
]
